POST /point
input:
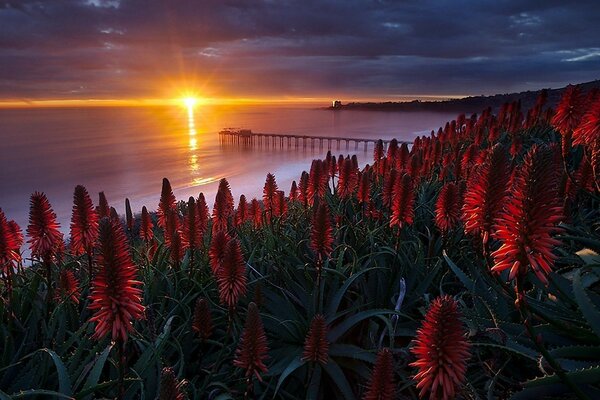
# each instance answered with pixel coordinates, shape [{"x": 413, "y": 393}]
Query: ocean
[{"x": 126, "y": 151}]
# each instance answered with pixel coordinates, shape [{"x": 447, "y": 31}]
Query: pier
[{"x": 247, "y": 138}]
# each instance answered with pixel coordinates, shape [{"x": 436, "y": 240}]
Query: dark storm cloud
[{"x": 128, "y": 48}]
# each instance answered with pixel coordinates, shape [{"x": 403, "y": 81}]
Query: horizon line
[{"x": 142, "y": 102}]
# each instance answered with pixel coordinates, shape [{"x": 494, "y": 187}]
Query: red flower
[
  {"x": 269, "y": 193},
  {"x": 280, "y": 205},
  {"x": 567, "y": 116},
  {"x": 447, "y": 207},
  {"x": 217, "y": 250},
  {"x": 252, "y": 351},
  {"x": 256, "y": 213},
  {"x": 364, "y": 187},
  {"x": 441, "y": 351},
  {"x": 348, "y": 179},
  {"x": 202, "y": 323},
  {"x": 293, "y": 192},
  {"x": 43, "y": 230},
  {"x": 192, "y": 233},
  {"x": 241, "y": 214},
  {"x": 303, "y": 189},
  {"x": 316, "y": 345},
  {"x": 486, "y": 190},
  {"x": 115, "y": 299},
  {"x": 469, "y": 159},
  {"x": 321, "y": 237},
  {"x": 103, "y": 209},
  {"x": 403, "y": 199},
  {"x": 146, "y": 232},
  {"x": 378, "y": 151},
  {"x": 167, "y": 203},
  {"x": 128, "y": 215},
  {"x": 589, "y": 130},
  {"x": 170, "y": 387},
  {"x": 317, "y": 181},
  {"x": 569, "y": 110},
  {"x": 9, "y": 244},
  {"x": 381, "y": 385},
  {"x": 203, "y": 214},
  {"x": 16, "y": 230},
  {"x": 68, "y": 287},
  {"x": 530, "y": 217},
  {"x": 174, "y": 238},
  {"x": 223, "y": 207},
  {"x": 403, "y": 158},
  {"x": 231, "y": 277},
  {"x": 84, "y": 223}
]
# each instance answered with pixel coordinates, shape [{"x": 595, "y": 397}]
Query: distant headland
[{"x": 469, "y": 104}]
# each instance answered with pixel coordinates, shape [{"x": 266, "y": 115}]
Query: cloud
[{"x": 131, "y": 48}]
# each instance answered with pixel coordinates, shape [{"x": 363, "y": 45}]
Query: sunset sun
[{"x": 190, "y": 102}]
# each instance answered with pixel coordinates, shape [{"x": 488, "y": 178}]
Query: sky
[{"x": 352, "y": 50}]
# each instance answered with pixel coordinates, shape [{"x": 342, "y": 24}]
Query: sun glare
[{"x": 190, "y": 102}]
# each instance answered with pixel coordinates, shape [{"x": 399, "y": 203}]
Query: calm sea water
[{"x": 126, "y": 152}]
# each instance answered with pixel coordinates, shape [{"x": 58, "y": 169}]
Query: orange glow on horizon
[{"x": 195, "y": 101}]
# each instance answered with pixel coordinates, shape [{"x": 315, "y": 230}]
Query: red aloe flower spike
[
  {"x": 68, "y": 287},
  {"x": 115, "y": 298},
  {"x": 568, "y": 114},
  {"x": 128, "y": 215},
  {"x": 192, "y": 233},
  {"x": 256, "y": 213},
  {"x": 378, "y": 151},
  {"x": 146, "y": 232},
  {"x": 348, "y": 179},
  {"x": 202, "y": 323},
  {"x": 16, "y": 230},
  {"x": 332, "y": 166},
  {"x": 530, "y": 218},
  {"x": 280, "y": 204},
  {"x": 203, "y": 214},
  {"x": 485, "y": 194},
  {"x": 588, "y": 130},
  {"x": 43, "y": 229},
  {"x": 223, "y": 206},
  {"x": 84, "y": 223},
  {"x": 364, "y": 187},
  {"x": 217, "y": 250},
  {"x": 103, "y": 209},
  {"x": 403, "y": 158},
  {"x": 316, "y": 345},
  {"x": 321, "y": 237},
  {"x": 167, "y": 203},
  {"x": 392, "y": 151},
  {"x": 170, "y": 387},
  {"x": 174, "y": 239},
  {"x": 231, "y": 276},
  {"x": 294, "y": 192},
  {"x": 9, "y": 245},
  {"x": 253, "y": 348},
  {"x": 269, "y": 193},
  {"x": 241, "y": 214},
  {"x": 303, "y": 189},
  {"x": 388, "y": 187},
  {"x": 441, "y": 350},
  {"x": 403, "y": 199},
  {"x": 317, "y": 181},
  {"x": 447, "y": 207},
  {"x": 382, "y": 383}
]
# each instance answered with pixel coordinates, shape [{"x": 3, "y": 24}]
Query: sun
[{"x": 190, "y": 102}]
